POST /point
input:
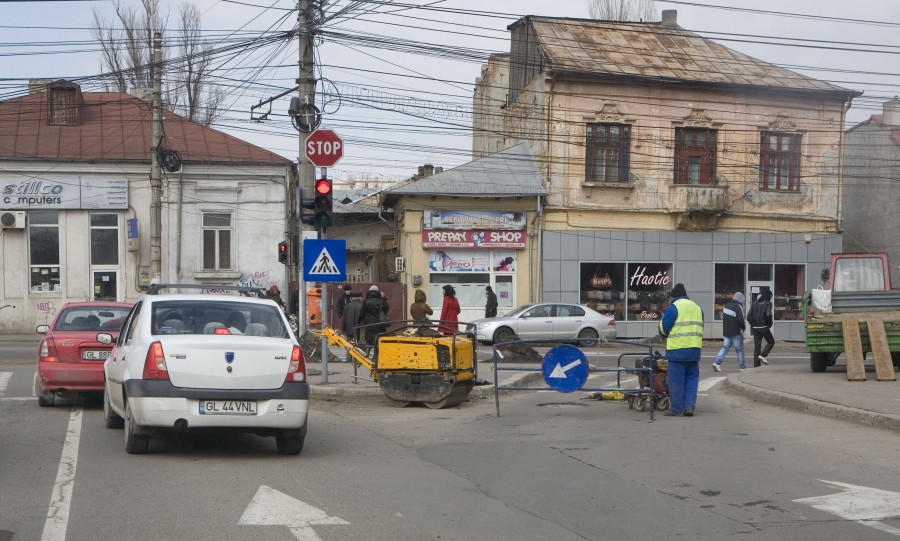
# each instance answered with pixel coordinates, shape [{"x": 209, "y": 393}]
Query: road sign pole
[{"x": 324, "y": 301}]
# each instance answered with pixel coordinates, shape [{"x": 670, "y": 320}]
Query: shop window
[
  {"x": 729, "y": 279},
  {"x": 787, "y": 300},
  {"x": 627, "y": 292},
  {"x": 779, "y": 161},
  {"x": 759, "y": 273},
  {"x": 104, "y": 239},
  {"x": 695, "y": 156},
  {"x": 43, "y": 243},
  {"x": 469, "y": 289},
  {"x": 607, "y": 152},
  {"x": 217, "y": 233}
]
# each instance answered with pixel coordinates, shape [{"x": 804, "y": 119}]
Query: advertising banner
[
  {"x": 24, "y": 193},
  {"x": 483, "y": 239},
  {"x": 474, "y": 219},
  {"x": 471, "y": 261}
]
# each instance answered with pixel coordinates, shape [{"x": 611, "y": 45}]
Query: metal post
[
  {"x": 155, "y": 171},
  {"x": 324, "y": 301},
  {"x": 305, "y": 169}
]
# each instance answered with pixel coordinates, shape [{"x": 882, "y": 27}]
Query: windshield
[
  {"x": 203, "y": 317},
  {"x": 517, "y": 311},
  {"x": 859, "y": 274}
]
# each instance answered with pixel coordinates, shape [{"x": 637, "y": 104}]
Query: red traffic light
[{"x": 323, "y": 186}]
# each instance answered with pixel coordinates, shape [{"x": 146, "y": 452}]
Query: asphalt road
[{"x": 553, "y": 466}]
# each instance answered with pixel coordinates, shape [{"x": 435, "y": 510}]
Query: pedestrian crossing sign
[{"x": 324, "y": 260}]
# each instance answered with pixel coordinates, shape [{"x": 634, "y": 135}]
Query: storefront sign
[
  {"x": 471, "y": 261},
  {"x": 435, "y": 238},
  {"x": 23, "y": 193},
  {"x": 474, "y": 219},
  {"x": 640, "y": 278}
]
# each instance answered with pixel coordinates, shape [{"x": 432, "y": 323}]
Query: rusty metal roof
[
  {"x": 114, "y": 126},
  {"x": 652, "y": 51}
]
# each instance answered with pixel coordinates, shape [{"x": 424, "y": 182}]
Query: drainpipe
[
  {"x": 178, "y": 226},
  {"x": 840, "y": 206}
]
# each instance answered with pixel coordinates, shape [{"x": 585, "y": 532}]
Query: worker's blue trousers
[{"x": 684, "y": 377}]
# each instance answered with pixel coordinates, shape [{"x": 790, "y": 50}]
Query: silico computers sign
[{"x": 63, "y": 193}]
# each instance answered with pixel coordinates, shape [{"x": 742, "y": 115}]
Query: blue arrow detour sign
[{"x": 565, "y": 368}]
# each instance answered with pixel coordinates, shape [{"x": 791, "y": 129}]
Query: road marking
[
  {"x": 865, "y": 505},
  {"x": 708, "y": 383},
  {"x": 270, "y": 507},
  {"x": 61, "y": 499},
  {"x": 4, "y": 381}
]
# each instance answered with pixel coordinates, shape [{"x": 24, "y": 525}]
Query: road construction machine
[{"x": 415, "y": 363}]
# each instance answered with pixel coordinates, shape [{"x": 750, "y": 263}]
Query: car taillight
[
  {"x": 297, "y": 370},
  {"x": 47, "y": 352},
  {"x": 155, "y": 363}
]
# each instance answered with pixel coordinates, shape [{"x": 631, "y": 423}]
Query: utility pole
[{"x": 155, "y": 172}]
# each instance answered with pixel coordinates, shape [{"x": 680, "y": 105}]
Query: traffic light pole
[
  {"x": 324, "y": 307},
  {"x": 306, "y": 84}
]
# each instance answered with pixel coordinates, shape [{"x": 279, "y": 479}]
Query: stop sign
[{"x": 324, "y": 148}]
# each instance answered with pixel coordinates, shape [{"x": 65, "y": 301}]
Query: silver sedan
[{"x": 552, "y": 321}]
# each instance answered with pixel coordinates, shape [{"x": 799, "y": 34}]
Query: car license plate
[
  {"x": 227, "y": 407},
  {"x": 92, "y": 355}
]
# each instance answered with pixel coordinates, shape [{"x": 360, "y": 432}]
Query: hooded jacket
[
  {"x": 733, "y": 316},
  {"x": 760, "y": 314}
]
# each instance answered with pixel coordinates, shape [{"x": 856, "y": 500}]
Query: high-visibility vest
[{"x": 688, "y": 329}]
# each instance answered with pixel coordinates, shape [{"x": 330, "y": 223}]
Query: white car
[
  {"x": 186, "y": 361},
  {"x": 551, "y": 321}
]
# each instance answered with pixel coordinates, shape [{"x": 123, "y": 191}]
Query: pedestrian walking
[
  {"x": 450, "y": 311},
  {"x": 733, "y": 326},
  {"x": 342, "y": 302},
  {"x": 682, "y": 326},
  {"x": 374, "y": 310},
  {"x": 351, "y": 314},
  {"x": 419, "y": 310},
  {"x": 760, "y": 319},
  {"x": 275, "y": 294},
  {"x": 490, "y": 309}
]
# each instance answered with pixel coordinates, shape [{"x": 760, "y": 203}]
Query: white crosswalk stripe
[{"x": 4, "y": 382}]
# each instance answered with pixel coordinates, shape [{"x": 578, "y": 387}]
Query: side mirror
[
  {"x": 104, "y": 338},
  {"x": 42, "y": 329}
]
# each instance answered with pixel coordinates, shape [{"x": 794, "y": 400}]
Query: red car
[{"x": 70, "y": 360}]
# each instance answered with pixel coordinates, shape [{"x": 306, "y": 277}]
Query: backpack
[{"x": 757, "y": 315}]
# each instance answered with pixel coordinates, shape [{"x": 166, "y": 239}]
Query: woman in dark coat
[
  {"x": 490, "y": 309},
  {"x": 372, "y": 307}
]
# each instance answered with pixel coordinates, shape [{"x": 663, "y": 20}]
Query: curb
[{"x": 809, "y": 405}]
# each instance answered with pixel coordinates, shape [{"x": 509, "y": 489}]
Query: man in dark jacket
[
  {"x": 343, "y": 300},
  {"x": 760, "y": 319},
  {"x": 733, "y": 327},
  {"x": 351, "y": 314}
]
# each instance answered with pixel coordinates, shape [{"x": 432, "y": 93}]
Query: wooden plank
[
  {"x": 884, "y": 366},
  {"x": 853, "y": 353}
]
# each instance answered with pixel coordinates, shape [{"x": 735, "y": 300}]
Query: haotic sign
[
  {"x": 443, "y": 238},
  {"x": 324, "y": 148}
]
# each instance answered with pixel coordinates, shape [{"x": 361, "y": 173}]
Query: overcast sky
[{"x": 52, "y": 40}]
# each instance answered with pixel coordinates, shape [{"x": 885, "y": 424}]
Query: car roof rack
[{"x": 245, "y": 291}]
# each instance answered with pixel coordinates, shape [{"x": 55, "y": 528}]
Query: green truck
[{"x": 860, "y": 291}]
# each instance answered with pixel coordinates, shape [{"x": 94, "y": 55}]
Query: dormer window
[{"x": 65, "y": 100}]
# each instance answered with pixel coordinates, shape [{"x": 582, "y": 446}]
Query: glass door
[{"x": 106, "y": 285}]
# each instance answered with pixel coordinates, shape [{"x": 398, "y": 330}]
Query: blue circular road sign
[{"x": 565, "y": 368}]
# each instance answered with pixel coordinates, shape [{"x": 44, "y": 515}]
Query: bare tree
[
  {"x": 623, "y": 10},
  {"x": 126, "y": 52}
]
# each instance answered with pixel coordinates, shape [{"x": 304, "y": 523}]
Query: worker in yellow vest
[{"x": 682, "y": 326}]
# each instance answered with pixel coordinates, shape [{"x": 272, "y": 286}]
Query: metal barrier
[{"x": 640, "y": 392}]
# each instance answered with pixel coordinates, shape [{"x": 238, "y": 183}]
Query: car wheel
[
  {"x": 289, "y": 442},
  {"x": 504, "y": 334},
  {"x": 111, "y": 419},
  {"x": 818, "y": 362},
  {"x": 45, "y": 399},
  {"x": 589, "y": 337},
  {"x": 135, "y": 443}
]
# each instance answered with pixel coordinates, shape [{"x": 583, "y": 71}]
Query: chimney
[
  {"x": 429, "y": 169},
  {"x": 36, "y": 86},
  {"x": 670, "y": 18},
  {"x": 892, "y": 112}
]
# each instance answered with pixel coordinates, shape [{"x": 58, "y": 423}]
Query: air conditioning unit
[
  {"x": 399, "y": 264},
  {"x": 12, "y": 219}
]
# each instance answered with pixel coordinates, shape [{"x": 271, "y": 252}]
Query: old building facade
[{"x": 669, "y": 158}]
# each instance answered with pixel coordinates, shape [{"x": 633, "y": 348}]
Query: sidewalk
[{"x": 791, "y": 385}]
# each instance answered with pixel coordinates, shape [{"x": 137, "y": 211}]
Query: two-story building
[{"x": 668, "y": 158}]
